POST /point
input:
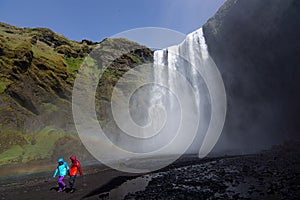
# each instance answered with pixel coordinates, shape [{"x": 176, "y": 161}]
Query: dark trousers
[{"x": 72, "y": 181}]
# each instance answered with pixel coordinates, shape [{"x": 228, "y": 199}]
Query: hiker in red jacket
[{"x": 75, "y": 167}]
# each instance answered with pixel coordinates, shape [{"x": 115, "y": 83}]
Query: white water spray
[{"x": 176, "y": 104}]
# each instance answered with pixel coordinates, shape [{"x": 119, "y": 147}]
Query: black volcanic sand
[{"x": 273, "y": 174}]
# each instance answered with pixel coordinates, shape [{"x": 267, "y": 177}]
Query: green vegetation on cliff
[
  {"x": 19, "y": 147},
  {"x": 38, "y": 70}
]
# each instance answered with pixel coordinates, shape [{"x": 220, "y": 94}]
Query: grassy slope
[
  {"x": 33, "y": 47},
  {"x": 38, "y": 68}
]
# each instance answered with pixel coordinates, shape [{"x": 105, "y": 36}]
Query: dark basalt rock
[
  {"x": 229, "y": 178},
  {"x": 256, "y": 46},
  {"x": 1, "y": 52}
]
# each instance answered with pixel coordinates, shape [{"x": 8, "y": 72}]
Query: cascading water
[
  {"x": 187, "y": 59},
  {"x": 175, "y": 104}
]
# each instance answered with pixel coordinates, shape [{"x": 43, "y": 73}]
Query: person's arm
[
  {"x": 79, "y": 168},
  {"x": 55, "y": 172},
  {"x": 67, "y": 167}
]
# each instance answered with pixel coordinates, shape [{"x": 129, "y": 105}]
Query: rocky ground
[
  {"x": 273, "y": 174},
  {"x": 250, "y": 177}
]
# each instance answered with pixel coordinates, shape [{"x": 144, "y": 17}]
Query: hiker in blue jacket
[{"x": 62, "y": 170}]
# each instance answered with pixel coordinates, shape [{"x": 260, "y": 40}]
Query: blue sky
[{"x": 98, "y": 19}]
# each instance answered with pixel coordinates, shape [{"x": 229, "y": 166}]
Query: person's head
[
  {"x": 60, "y": 161},
  {"x": 73, "y": 158}
]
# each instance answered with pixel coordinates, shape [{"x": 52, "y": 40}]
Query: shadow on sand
[
  {"x": 67, "y": 190},
  {"x": 115, "y": 182}
]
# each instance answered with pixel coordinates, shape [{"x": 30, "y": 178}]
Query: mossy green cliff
[{"x": 38, "y": 68}]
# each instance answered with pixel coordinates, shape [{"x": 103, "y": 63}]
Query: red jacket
[{"x": 75, "y": 167}]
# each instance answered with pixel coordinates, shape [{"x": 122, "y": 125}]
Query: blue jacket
[{"x": 62, "y": 170}]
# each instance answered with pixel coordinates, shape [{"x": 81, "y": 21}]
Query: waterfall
[
  {"x": 175, "y": 105},
  {"x": 185, "y": 59}
]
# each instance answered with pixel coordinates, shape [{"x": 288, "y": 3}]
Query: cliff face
[
  {"x": 256, "y": 46},
  {"x": 38, "y": 68}
]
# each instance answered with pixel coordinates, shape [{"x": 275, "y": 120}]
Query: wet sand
[
  {"x": 43, "y": 186},
  {"x": 97, "y": 180},
  {"x": 273, "y": 174}
]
